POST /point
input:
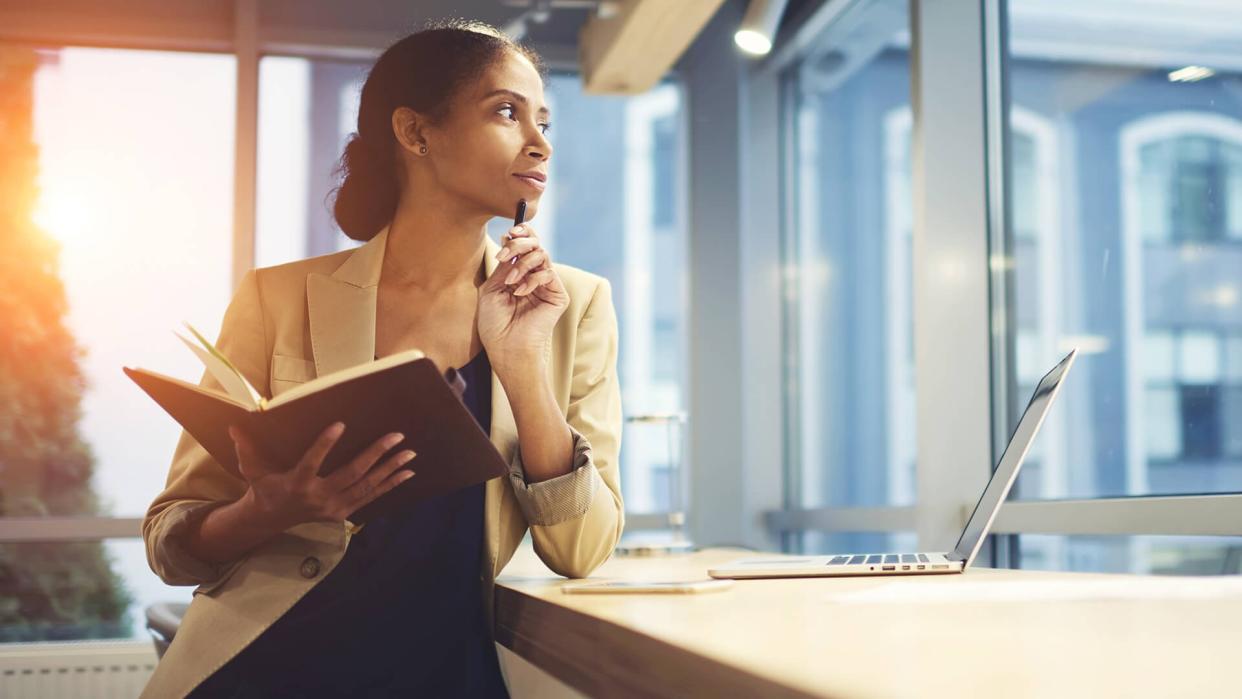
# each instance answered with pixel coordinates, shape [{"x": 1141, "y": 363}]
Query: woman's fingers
[
  {"x": 312, "y": 460},
  {"x": 528, "y": 262},
  {"x": 351, "y": 472},
  {"x": 516, "y": 247},
  {"x": 522, "y": 231},
  {"x": 533, "y": 281},
  {"x": 378, "y": 481}
]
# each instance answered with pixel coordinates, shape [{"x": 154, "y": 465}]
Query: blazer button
[{"x": 310, "y": 567}]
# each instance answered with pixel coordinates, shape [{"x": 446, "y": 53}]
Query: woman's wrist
[
  {"x": 518, "y": 366},
  {"x": 260, "y": 519},
  {"x": 226, "y": 532}
]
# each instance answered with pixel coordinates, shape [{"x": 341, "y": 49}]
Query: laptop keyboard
[{"x": 875, "y": 558}]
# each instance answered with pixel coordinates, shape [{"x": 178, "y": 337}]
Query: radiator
[{"x": 75, "y": 670}]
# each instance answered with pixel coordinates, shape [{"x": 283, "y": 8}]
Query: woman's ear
[{"x": 408, "y": 126}]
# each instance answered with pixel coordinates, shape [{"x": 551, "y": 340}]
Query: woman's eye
[{"x": 510, "y": 108}]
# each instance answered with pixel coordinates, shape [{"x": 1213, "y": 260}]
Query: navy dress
[{"x": 400, "y": 616}]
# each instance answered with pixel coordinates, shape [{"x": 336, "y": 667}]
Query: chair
[{"x": 163, "y": 619}]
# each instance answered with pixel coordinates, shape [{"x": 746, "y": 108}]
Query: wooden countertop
[{"x": 984, "y": 633}]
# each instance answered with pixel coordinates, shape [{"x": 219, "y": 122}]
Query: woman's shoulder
[
  {"x": 582, "y": 287},
  {"x": 578, "y": 281},
  {"x": 589, "y": 293},
  {"x": 297, "y": 270},
  {"x": 279, "y": 286}
]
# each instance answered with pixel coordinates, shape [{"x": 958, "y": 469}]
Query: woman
[{"x": 292, "y": 598}]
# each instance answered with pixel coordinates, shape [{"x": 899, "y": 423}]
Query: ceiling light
[
  {"x": 1190, "y": 74},
  {"x": 537, "y": 12},
  {"x": 516, "y": 27},
  {"x": 758, "y": 29}
]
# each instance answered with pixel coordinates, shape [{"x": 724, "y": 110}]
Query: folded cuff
[
  {"x": 557, "y": 499},
  {"x": 186, "y": 569}
]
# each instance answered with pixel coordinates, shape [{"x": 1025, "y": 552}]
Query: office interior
[{"x": 845, "y": 240}]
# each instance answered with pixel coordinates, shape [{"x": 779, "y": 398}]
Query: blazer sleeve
[
  {"x": 576, "y": 519},
  {"x": 196, "y": 482}
]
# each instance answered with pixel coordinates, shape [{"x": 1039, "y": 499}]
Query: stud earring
[{"x": 422, "y": 148}]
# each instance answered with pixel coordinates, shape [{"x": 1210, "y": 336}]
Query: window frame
[{"x": 959, "y": 56}]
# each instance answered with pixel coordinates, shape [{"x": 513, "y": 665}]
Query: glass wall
[
  {"x": 114, "y": 243},
  {"x": 1125, "y": 179},
  {"x": 851, "y": 367}
]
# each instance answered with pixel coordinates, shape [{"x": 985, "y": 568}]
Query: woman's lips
[{"x": 532, "y": 182}]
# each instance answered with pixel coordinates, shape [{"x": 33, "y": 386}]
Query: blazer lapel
[{"x": 341, "y": 310}]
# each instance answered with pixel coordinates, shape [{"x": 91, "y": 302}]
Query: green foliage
[{"x": 48, "y": 591}]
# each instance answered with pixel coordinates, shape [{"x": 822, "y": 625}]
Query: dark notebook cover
[{"x": 452, "y": 450}]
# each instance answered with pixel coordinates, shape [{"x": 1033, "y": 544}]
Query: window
[
  {"x": 143, "y": 244},
  {"x": 1187, "y": 390},
  {"x": 1123, "y": 199},
  {"x": 307, "y": 110},
  {"x": 850, "y": 363},
  {"x": 1138, "y": 261},
  {"x": 1035, "y": 171},
  {"x": 114, "y": 194},
  {"x": 665, "y": 135},
  {"x": 1188, "y": 186},
  {"x": 77, "y": 590}
]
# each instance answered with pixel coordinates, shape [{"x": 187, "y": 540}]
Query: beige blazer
[{"x": 290, "y": 323}]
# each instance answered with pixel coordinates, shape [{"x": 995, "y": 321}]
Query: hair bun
[{"x": 367, "y": 197}]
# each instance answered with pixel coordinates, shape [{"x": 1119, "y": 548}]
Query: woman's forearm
[
  {"x": 230, "y": 531},
  {"x": 543, "y": 434}
]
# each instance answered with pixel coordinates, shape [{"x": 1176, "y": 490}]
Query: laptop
[{"x": 972, "y": 537}]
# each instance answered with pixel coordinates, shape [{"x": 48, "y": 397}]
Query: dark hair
[{"x": 423, "y": 71}]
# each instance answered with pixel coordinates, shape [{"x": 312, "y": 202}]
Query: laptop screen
[{"x": 1002, "y": 478}]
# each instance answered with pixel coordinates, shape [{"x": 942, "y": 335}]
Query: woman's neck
[{"x": 434, "y": 245}]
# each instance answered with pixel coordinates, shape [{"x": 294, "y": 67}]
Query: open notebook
[{"x": 404, "y": 392}]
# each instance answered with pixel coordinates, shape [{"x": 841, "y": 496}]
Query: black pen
[{"x": 518, "y": 219}]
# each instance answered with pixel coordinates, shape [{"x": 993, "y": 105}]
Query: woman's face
[{"x": 495, "y": 130}]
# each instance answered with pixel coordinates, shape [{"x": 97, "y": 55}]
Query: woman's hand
[
  {"x": 521, "y": 302},
  {"x": 283, "y": 498}
]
